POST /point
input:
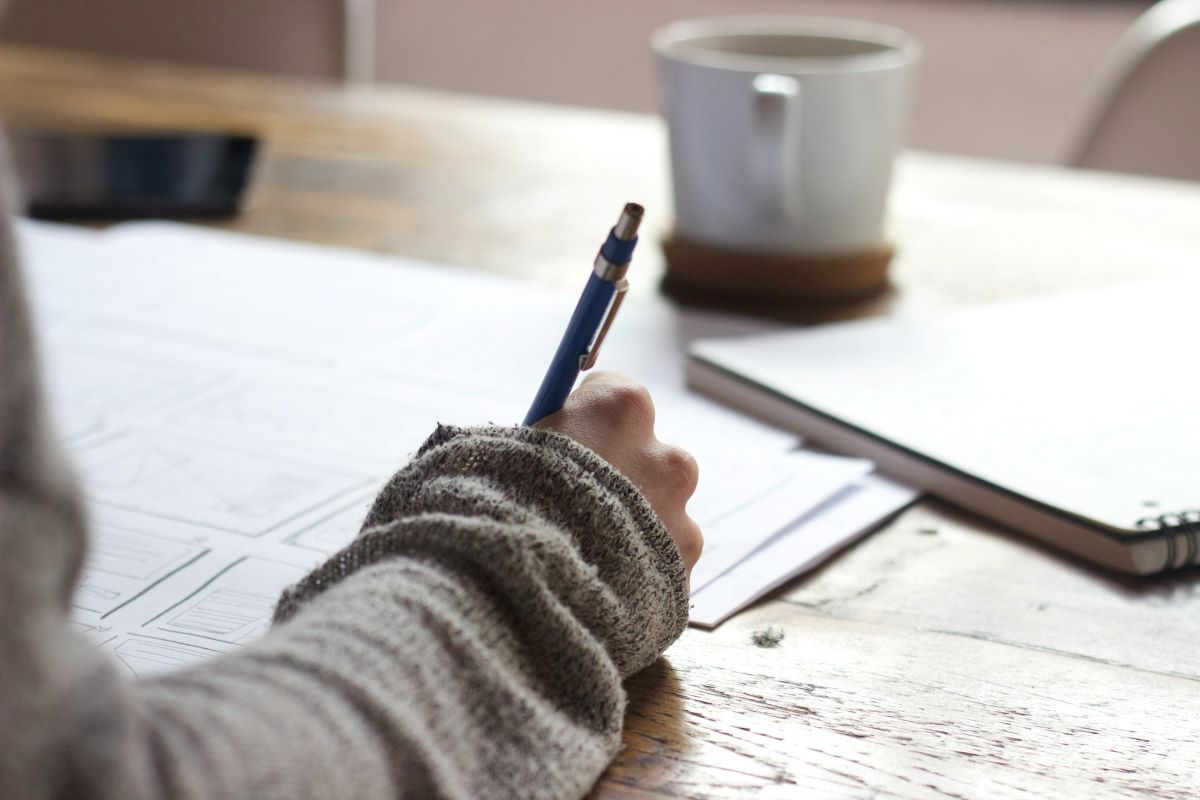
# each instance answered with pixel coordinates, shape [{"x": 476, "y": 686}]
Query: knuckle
[
  {"x": 681, "y": 469},
  {"x": 690, "y": 542},
  {"x": 629, "y": 402}
]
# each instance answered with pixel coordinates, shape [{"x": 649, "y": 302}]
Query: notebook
[{"x": 1074, "y": 419}]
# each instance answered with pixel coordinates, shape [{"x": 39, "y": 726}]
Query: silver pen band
[{"x": 607, "y": 271}]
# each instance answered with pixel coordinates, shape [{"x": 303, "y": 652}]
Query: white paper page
[
  {"x": 124, "y": 564},
  {"x": 161, "y": 593},
  {"x": 233, "y": 405},
  {"x": 431, "y": 327},
  {"x": 225, "y": 606},
  {"x": 744, "y": 508},
  {"x": 800, "y": 548}
]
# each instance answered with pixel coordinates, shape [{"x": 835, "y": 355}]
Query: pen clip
[{"x": 588, "y": 359}]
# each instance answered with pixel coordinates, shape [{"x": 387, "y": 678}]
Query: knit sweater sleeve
[{"x": 470, "y": 643}]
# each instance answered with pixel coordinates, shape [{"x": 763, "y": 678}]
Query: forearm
[
  {"x": 421, "y": 691},
  {"x": 554, "y": 530},
  {"x": 470, "y": 643}
]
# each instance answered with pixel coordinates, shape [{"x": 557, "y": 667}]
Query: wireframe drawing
[{"x": 211, "y": 485}]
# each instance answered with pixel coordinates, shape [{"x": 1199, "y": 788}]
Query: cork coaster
[{"x": 705, "y": 274}]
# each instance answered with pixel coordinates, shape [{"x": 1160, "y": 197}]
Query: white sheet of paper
[
  {"x": 234, "y": 403},
  {"x": 761, "y": 502},
  {"x": 810, "y": 541}
]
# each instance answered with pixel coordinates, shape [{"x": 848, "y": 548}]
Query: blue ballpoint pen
[{"x": 593, "y": 316}]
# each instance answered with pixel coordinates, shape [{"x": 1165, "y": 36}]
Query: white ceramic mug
[{"x": 784, "y": 130}]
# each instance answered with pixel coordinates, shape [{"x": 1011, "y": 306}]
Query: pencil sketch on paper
[
  {"x": 90, "y": 390},
  {"x": 148, "y": 655},
  {"x": 380, "y": 426},
  {"x": 333, "y": 532},
  {"x": 204, "y": 484},
  {"x": 122, "y": 565},
  {"x": 234, "y": 606}
]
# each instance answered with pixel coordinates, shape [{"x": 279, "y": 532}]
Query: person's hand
[{"x": 614, "y": 416}]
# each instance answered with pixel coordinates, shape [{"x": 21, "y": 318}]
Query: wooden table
[{"x": 942, "y": 657}]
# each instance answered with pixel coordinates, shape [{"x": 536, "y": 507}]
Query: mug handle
[{"x": 773, "y": 158}]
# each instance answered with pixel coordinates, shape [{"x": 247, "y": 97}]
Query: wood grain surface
[{"x": 942, "y": 657}]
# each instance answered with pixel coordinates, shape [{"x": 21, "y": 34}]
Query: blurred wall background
[
  {"x": 1001, "y": 78},
  {"x": 301, "y": 37}
]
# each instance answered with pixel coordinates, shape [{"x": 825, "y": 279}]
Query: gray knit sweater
[{"x": 470, "y": 643}]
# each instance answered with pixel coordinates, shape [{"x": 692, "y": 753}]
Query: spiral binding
[{"x": 1187, "y": 523}]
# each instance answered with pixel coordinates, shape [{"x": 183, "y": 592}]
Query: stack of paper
[{"x": 234, "y": 403}]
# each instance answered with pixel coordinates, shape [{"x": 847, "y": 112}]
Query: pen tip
[{"x": 627, "y": 226}]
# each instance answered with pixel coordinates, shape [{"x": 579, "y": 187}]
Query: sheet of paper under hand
[
  {"x": 233, "y": 404},
  {"x": 760, "y": 502},
  {"x": 811, "y": 540}
]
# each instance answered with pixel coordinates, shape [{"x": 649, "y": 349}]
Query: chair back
[{"x": 1144, "y": 110}]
